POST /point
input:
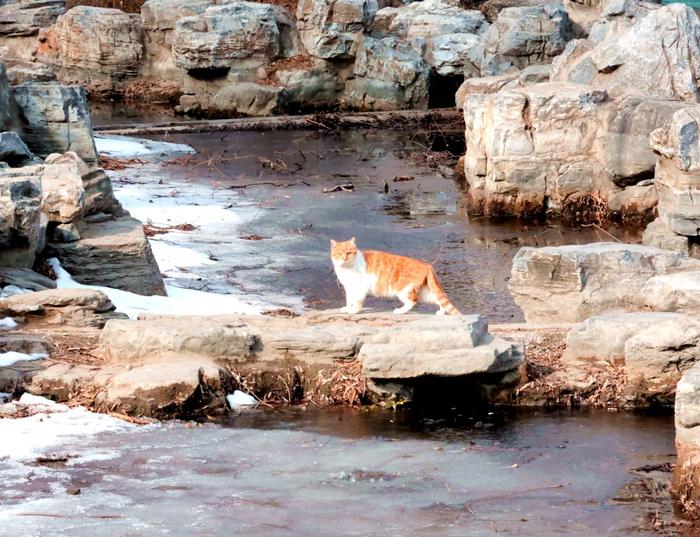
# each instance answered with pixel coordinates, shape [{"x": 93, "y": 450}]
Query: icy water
[
  {"x": 347, "y": 472},
  {"x": 277, "y": 182}
]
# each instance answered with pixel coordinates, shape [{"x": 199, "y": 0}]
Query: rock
[
  {"x": 115, "y": 254},
  {"x": 65, "y": 233},
  {"x": 523, "y": 36},
  {"x": 99, "y": 196},
  {"x": 603, "y": 337},
  {"x": 685, "y": 485},
  {"x": 75, "y": 307},
  {"x": 226, "y": 34},
  {"x": 678, "y": 171},
  {"x": 634, "y": 204},
  {"x": 571, "y": 283},
  {"x": 229, "y": 98},
  {"x": 657, "y": 356},
  {"x": 13, "y": 151},
  {"x": 658, "y": 235},
  {"x": 330, "y": 29},
  {"x": 19, "y": 18},
  {"x": 641, "y": 60},
  {"x": 553, "y": 147},
  {"x": 290, "y": 40},
  {"x": 56, "y": 119},
  {"x": 618, "y": 16},
  {"x": 674, "y": 292},
  {"x": 483, "y": 85},
  {"x": 450, "y": 33},
  {"x": 173, "y": 366},
  {"x": 308, "y": 89},
  {"x": 388, "y": 75},
  {"x": 25, "y": 278},
  {"x": 492, "y": 8},
  {"x": 63, "y": 195},
  {"x": 23, "y": 72},
  {"x": 98, "y": 48},
  {"x": 5, "y": 98},
  {"x": 456, "y": 347},
  {"x": 21, "y": 223}
]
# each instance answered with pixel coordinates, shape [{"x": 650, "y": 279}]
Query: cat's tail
[{"x": 439, "y": 294}]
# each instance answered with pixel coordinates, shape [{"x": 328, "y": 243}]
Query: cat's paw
[{"x": 345, "y": 309}]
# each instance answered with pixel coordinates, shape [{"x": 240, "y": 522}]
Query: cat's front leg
[{"x": 355, "y": 301}]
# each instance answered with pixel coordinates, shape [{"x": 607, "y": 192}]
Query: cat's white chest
[{"x": 355, "y": 280}]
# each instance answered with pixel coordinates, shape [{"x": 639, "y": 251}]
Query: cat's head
[{"x": 343, "y": 252}]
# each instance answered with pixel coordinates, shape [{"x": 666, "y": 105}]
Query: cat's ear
[
  {"x": 333, "y": 243},
  {"x": 352, "y": 241}
]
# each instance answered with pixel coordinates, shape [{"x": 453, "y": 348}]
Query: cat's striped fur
[{"x": 386, "y": 275}]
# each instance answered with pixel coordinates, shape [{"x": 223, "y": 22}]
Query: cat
[{"x": 386, "y": 275}]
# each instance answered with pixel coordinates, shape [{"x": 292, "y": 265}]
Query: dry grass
[
  {"x": 129, "y": 6},
  {"x": 588, "y": 209},
  {"x": 344, "y": 385},
  {"x": 295, "y": 62}
]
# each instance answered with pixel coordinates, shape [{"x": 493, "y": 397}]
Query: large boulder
[
  {"x": 25, "y": 278},
  {"x": 330, "y": 29},
  {"x": 55, "y": 119},
  {"x": 113, "y": 253},
  {"x": 63, "y": 195},
  {"x": 618, "y": 16},
  {"x": 389, "y": 74},
  {"x": 674, "y": 292},
  {"x": 224, "y": 35},
  {"x": 450, "y": 33},
  {"x": 685, "y": 486},
  {"x": 98, "y": 48},
  {"x": 523, "y": 36},
  {"x": 75, "y": 307},
  {"x": 228, "y": 97},
  {"x": 555, "y": 147},
  {"x": 22, "y": 226},
  {"x": 20, "y": 18},
  {"x": 571, "y": 283},
  {"x": 658, "y": 56},
  {"x": 677, "y": 145}
]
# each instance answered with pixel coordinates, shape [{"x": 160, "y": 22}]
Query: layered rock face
[
  {"x": 55, "y": 119},
  {"x": 21, "y": 223},
  {"x": 556, "y": 147},
  {"x": 685, "y": 486},
  {"x": 96, "y": 47},
  {"x": 21, "y": 21},
  {"x": 571, "y": 283}
]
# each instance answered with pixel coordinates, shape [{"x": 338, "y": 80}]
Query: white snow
[
  {"x": 10, "y": 290},
  {"x": 125, "y": 147},
  {"x": 11, "y": 357},
  {"x": 8, "y": 323},
  {"x": 240, "y": 399},
  {"x": 178, "y": 302},
  {"x": 53, "y": 426}
]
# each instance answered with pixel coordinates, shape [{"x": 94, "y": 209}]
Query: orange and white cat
[{"x": 386, "y": 275}]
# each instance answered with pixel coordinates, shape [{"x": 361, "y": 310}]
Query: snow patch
[
  {"x": 8, "y": 323},
  {"x": 239, "y": 399},
  {"x": 12, "y": 357},
  {"x": 10, "y": 290},
  {"x": 126, "y": 146},
  {"x": 55, "y": 425},
  {"x": 178, "y": 302}
]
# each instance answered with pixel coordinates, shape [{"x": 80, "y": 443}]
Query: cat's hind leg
[{"x": 409, "y": 297}]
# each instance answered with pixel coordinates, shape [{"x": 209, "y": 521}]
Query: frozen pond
[
  {"x": 263, "y": 221},
  {"x": 347, "y": 472}
]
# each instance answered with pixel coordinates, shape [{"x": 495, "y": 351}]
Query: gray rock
[
  {"x": 13, "y": 150},
  {"x": 55, "y": 119},
  {"x": 330, "y": 29},
  {"x": 229, "y": 97},
  {"x": 658, "y": 235},
  {"x": 571, "y": 283},
  {"x": 312, "y": 88},
  {"x": 75, "y": 307},
  {"x": 98, "y": 48},
  {"x": 5, "y": 97},
  {"x": 618, "y": 16},
  {"x": 523, "y": 36},
  {"x": 674, "y": 292},
  {"x": 21, "y": 224},
  {"x": 115, "y": 254},
  {"x": 657, "y": 356},
  {"x": 19, "y": 18},
  {"x": 65, "y": 233},
  {"x": 226, "y": 34},
  {"x": 24, "y": 71},
  {"x": 388, "y": 75},
  {"x": 640, "y": 60},
  {"x": 25, "y": 278},
  {"x": 603, "y": 337}
]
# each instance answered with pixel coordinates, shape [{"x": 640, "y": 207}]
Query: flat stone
[
  {"x": 25, "y": 278},
  {"x": 673, "y": 292},
  {"x": 115, "y": 254},
  {"x": 76, "y": 307},
  {"x": 571, "y": 283},
  {"x": 603, "y": 337}
]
